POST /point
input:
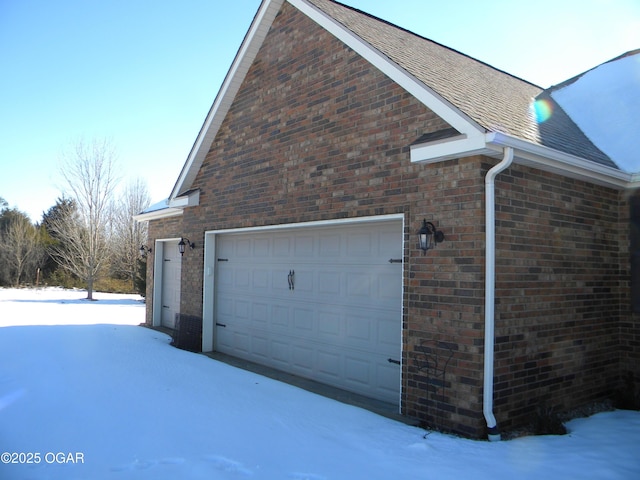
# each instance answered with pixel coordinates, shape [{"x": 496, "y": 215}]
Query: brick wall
[
  {"x": 316, "y": 133},
  {"x": 630, "y": 323},
  {"x": 559, "y": 291}
]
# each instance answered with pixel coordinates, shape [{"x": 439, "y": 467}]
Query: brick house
[{"x": 336, "y": 138}]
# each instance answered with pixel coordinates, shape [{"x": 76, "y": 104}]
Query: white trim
[
  {"x": 190, "y": 200},
  {"x": 436, "y": 103},
  {"x": 448, "y": 149},
  {"x": 318, "y": 223},
  {"x": 552, "y": 160},
  {"x": 526, "y": 153},
  {"x": 158, "y": 214},
  {"x": 208, "y": 292}
]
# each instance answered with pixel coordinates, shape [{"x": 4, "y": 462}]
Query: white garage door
[
  {"x": 171, "y": 269},
  {"x": 321, "y": 302}
]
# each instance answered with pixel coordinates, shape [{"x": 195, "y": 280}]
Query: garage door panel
[
  {"x": 280, "y": 354},
  {"x": 301, "y": 360},
  {"x": 261, "y": 248},
  {"x": 279, "y": 318},
  {"x": 330, "y": 325},
  {"x": 329, "y": 246},
  {"x": 359, "y": 245},
  {"x": 304, "y": 246},
  {"x": 329, "y": 363},
  {"x": 388, "y": 333},
  {"x": 260, "y": 314},
  {"x": 260, "y": 347},
  {"x": 385, "y": 376},
  {"x": 242, "y": 278},
  {"x": 329, "y": 283},
  {"x": 260, "y": 280},
  {"x": 387, "y": 287},
  {"x": 303, "y": 322},
  {"x": 358, "y": 371},
  {"x": 225, "y": 307},
  {"x": 339, "y": 324},
  {"x": 242, "y": 342},
  {"x": 281, "y": 247},
  {"x": 243, "y": 247},
  {"x": 359, "y": 331}
]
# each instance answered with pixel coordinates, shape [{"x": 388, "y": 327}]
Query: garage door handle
[
  {"x": 391, "y": 360},
  {"x": 165, "y": 306},
  {"x": 291, "y": 279},
  {"x": 395, "y": 260}
]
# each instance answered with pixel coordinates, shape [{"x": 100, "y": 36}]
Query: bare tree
[
  {"x": 89, "y": 171},
  {"x": 128, "y": 234},
  {"x": 22, "y": 250}
]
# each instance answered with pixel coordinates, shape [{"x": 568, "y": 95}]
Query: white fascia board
[
  {"x": 158, "y": 214},
  {"x": 190, "y": 200},
  {"x": 436, "y": 103},
  {"x": 551, "y": 160},
  {"x": 461, "y": 146},
  {"x": 526, "y": 153},
  {"x": 230, "y": 86},
  {"x": 311, "y": 224}
]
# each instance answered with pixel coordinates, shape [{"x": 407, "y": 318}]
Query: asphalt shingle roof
[{"x": 496, "y": 100}]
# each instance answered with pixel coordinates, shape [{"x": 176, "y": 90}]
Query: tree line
[{"x": 88, "y": 238}]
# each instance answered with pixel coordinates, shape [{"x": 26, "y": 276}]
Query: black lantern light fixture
[
  {"x": 183, "y": 243},
  {"x": 429, "y": 236},
  {"x": 144, "y": 250}
]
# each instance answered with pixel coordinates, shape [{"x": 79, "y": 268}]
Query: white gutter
[
  {"x": 490, "y": 290},
  {"x": 543, "y": 158}
]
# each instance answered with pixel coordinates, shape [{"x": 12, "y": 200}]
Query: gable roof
[
  {"x": 495, "y": 100},
  {"x": 488, "y": 107}
]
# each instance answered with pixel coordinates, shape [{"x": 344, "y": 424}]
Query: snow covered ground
[{"x": 85, "y": 393}]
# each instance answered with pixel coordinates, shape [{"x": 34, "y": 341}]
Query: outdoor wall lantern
[
  {"x": 429, "y": 236},
  {"x": 144, "y": 250},
  {"x": 183, "y": 243}
]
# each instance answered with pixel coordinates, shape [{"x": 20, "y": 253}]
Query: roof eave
[
  {"x": 158, "y": 214},
  {"x": 526, "y": 153},
  {"x": 174, "y": 208}
]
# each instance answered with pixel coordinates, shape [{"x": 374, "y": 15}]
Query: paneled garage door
[
  {"x": 320, "y": 302},
  {"x": 171, "y": 269}
]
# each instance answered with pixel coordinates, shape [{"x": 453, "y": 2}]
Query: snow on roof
[
  {"x": 161, "y": 205},
  {"x": 605, "y": 103}
]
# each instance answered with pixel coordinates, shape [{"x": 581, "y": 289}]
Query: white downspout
[{"x": 489, "y": 296}]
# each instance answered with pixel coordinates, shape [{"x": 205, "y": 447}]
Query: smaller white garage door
[
  {"x": 321, "y": 302},
  {"x": 171, "y": 270}
]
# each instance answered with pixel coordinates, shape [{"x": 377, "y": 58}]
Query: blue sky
[{"x": 144, "y": 73}]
